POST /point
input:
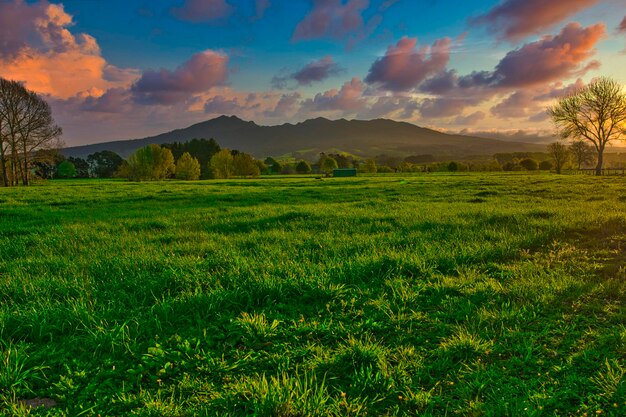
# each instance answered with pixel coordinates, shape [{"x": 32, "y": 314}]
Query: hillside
[{"x": 308, "y": 138}]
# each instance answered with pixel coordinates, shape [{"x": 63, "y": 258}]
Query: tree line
[{"x": 27, "y": 129}]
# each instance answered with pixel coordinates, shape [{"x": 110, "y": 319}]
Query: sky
[{"x": 123, "y": 69}]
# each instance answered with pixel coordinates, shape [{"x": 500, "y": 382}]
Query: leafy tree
[
  {"x": 269, "y": 161},
  {"x": 582, "y": 152},
  {"x": 596, "y": 113},
  {"x": 245, "y": 165},
  {"x": 82, "y": 166},
  {"x": 369, "y": 166},
  {"x": 263, "y": 169},
  {"x": 545, "y": 165},
  {"x": 529, "y": 164},
  {"x": 328, "y": 165},
  {"x": 277, "y": 167},
  {"x": 405, "y": 166},
  {"x": 26, "y": 126},
  {"x": 201, "y": 149},
  {"x": 46, "y": 162},
  {"x": 559, "y": 154},
  {"x": 151, "y": 162},
  {"x": 453, "y": 166},
  {"x": 104, "y": 164},
  {"x": 221, "y": 164},
  {"x": 66, "y": 169},
  {"x": 187, "y": 167},
  {"x": 303, "y": 167}
]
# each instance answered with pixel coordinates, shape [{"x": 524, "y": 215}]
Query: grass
[{"x": 429, "y": 295}]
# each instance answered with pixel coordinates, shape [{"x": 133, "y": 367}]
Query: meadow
[{"x": 428, "y": 294}]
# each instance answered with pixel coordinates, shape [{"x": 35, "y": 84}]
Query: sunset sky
[{"x": 115, "y": 69}]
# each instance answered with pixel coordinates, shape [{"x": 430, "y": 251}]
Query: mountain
[{"x": 307, "y": 139}]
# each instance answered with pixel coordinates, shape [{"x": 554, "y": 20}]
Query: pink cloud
[
  {"x": 404, "y": 66},
  {"x": 202, "y": 10},
  {"x": 285, "y": 107},
  {"x": 622, "y": 26},
  {"x": 314, "y": 71},
  {"x": 201, "y": 72},
  {"x": 346, "y": 100},
  {"x": 551, "y": 58},
  {"x": 516, "y": 19},
  {"x": 332, "y": 19}
]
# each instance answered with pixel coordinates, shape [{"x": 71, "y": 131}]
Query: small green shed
[{"x": 344, "y": 172}]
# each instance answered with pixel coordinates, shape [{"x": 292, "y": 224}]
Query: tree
[
  {"x": 303, "y": 167},
  {"x": 221, "y": 164},
  {"x": 151, "y": 162},
  {"x": 545, "y": 165},
  {"x": 529, "y": 164},
  {"x": 276, "y": 167},
  {"x": 582, "y": 152},
  {"x": 187, "y": 167},
  {"x": 595, "y": 113},
  {"x": 369, "y": 166},
  {"x": 201, "y": 149},
  {"x": 82, "y": 166},
  {"x": 26, "y": 126},
  {"x": 559, "y": 154},
  {"x": 104, "y": 164},
  {"x": 66, "y": 169},
  {"x": 244, "y": 165},
  {"x": 453, "y": 166},
  {"x": 328, "y": 165}
]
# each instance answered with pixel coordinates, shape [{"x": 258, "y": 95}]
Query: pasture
[{"x": 431, "y": 295}]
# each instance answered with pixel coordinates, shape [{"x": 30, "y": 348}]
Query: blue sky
[{"x": 123, "y": 69}]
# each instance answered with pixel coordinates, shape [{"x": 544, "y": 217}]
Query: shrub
[
  {"x": 545, "y": 165},
  {"x": 303, "y": 167},
  {"x": 529, "y": 164}
]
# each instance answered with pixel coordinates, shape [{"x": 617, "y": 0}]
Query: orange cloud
[{"x": 52, "y": 60}]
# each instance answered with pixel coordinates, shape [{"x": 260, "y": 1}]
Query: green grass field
[{"x": 429, "y": 295}]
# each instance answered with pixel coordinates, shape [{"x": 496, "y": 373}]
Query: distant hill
[{"x": 309, "y": 138}]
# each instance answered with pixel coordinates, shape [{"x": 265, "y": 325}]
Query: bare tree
[
  {"x": 27, "y": 126},
  {"x": 559, "y": 154},
  {"x": 595, "y": 113},
  {"x": 582, "y": 152}
]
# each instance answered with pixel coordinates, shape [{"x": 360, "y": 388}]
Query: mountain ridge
[{"x": 365, "y": 138}]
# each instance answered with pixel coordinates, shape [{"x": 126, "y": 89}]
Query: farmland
[{"x": 424, "y": 294}]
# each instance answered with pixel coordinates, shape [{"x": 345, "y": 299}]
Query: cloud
[
  {"x": 404, "y": 66},
  {"x": 471, "y": 119},
  {"x": 114, "y": 100},
  {"x": 515, "y": 19},
  {"x": 532, "y": 102},
  {"x": 260, "y": 7},
  {"x": 622, "y": 26},
  {"x": 285, "y": 107},
  {"x": 348, "y": 99},
  {"x": 200, "y": 73},
  {"x": 223, "y": 105},
  {"x": 202, "y": 10},
  {"x": 335, "y": 20},
  {"x": 37, "y": 47},
  {"x": 551, "y": 58},
  {"x": 442, "y": 107},
  {"x": 314, "y": 71}
]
